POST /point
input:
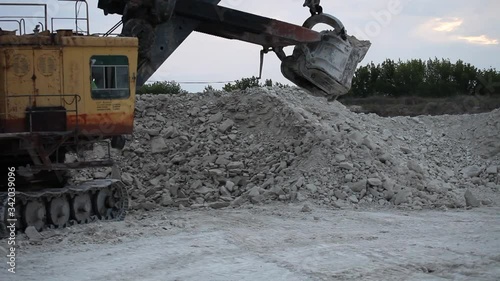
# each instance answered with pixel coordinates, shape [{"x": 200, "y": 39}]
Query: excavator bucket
[{"x": 325, "y": 68}]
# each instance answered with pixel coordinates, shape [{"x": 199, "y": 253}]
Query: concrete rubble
[
  {"x": 33, "y": 234},
  {"x": 227, "y": 149}
]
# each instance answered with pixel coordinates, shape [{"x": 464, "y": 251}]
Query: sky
[{"x": 398, "y": 29}]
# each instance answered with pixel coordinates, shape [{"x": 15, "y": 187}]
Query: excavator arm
[{"x": 322, "y": 63}]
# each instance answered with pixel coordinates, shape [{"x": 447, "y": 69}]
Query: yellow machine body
[{"x": 63, "y": 82}]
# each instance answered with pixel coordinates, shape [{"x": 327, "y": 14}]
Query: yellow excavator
[{"x": 61, "y": 91}]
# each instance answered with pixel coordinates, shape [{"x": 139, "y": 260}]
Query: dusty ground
[{"x": 272, "y": 243}]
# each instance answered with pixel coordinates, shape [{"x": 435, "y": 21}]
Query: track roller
[
  {"x": 59, "y": 211},
  {"x": 35, "y": 214},
  {"x": 81, "y": 208}
]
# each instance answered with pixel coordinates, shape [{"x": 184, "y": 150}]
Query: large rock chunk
[
  {"x": 312, "y": 188},
  {"x": 375, "y": 182},
  {"x": 340, "y": 194},
  {"x": 492, "y": 170},
  {"x": 240, "y": 200},
  {"x": 306, "y": 209},
  {"x": 216, "y": 172},
  {"x": 147, "y": 206},
  {"x": 100, "y": 175},
  {"x": 340, "y": 157},
  {"x": 388, "y": 194},
  {"x": 158, "y": 145},
  {"x": 171, "y": 132},
  {"x": 414, "y": 166},
  {"x": 33, "y": 234},
  {"x": 353, "y": 199},
  {"x": 471, "y": 200},
  {"x": 219, "y": 205},
  {"x": 356, "y": 137},
  {"x": 216, "y": 118},
  {"x": 127, "y": 178},
  {"x": 229, "y": 185},
  {"x": 346, "y": 166},
  {"x": 235, "y": 165},
  {"x": 471, "y": 171},
  {"x": 224, "y": 191},
  {"x": 358, "y": 186},
  {"x": 226, "y": 126},
  {"x": 203, "y": 190},
  {"x": 402, "y": 197},
  {"x": 166, "y": 200},
  {"x": 153, "y": 132},
  {"x": 369, "y": 143}
]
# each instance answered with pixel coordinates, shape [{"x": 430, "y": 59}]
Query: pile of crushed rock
[{"x": 226, "y": 149}]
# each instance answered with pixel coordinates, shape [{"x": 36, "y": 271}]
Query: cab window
[{"x": 109, "y": 77}]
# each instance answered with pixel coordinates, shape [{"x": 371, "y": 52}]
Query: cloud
[
  {"x": 445, "y": 25},
  {"x": 480, "y": 40},
  {"x": 446, "y": 30},
  {"x": 439, "y": 30}
]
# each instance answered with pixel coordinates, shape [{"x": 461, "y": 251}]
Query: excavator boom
[{"x": 323, "y": 63}]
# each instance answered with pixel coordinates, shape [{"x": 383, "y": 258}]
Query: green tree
[
  {"x": 464, "y": 75},
  {"x": 361, "y": 83},
  {"x": 431, "y": 78},
  {"x": 165, "y": 87},
  {"x": 385, "y": 84},
  {"x": 242, "y": 84}
]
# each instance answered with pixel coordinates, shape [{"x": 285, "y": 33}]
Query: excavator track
[{"x": 96, "y": 200}]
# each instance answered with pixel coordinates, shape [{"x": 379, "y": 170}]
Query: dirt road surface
[{"x": 272, "y": 243}]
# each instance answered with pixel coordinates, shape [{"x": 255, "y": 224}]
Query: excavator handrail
[
  {"x": 19, "y": 22},
  {"x": 22, "y": 18},
  {"x": 76, "y": 18}
]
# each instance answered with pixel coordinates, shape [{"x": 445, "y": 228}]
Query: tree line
[{"x": 431, "y": 78}]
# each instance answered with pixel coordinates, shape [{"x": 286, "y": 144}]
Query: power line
[
  {"x": 196, "y": 82},
  {"x": 205, "y": 82}
]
